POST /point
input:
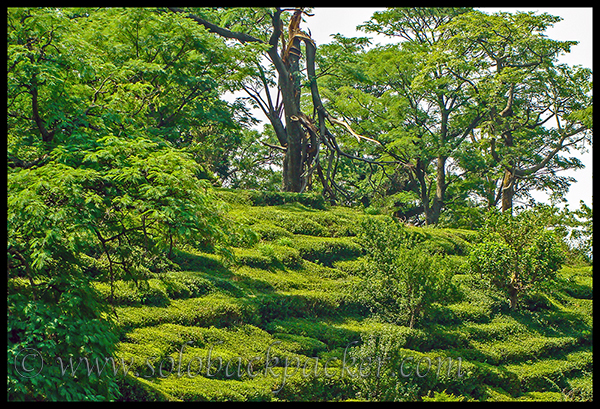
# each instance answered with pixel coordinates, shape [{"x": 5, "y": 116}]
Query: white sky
[{"x": 576, "y": 25}]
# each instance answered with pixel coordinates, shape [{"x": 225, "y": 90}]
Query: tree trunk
[
  {"x": 289, "y": 84},
  {"x": 47, "y": 136},
  {"x": 508, "y": 191},
  {"x": 513, "y": 299},
  {"x": 292, "y": 162},
  {"x": 423, "y": 190},
  {"x": 298, "y": 137},
  {"x": 411, "y": 323},
  {"x": 440, "y": 190}
]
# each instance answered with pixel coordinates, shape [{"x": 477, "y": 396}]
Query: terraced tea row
[{"x": 282, "y": 321}]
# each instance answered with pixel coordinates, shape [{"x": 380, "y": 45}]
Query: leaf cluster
[
  {"x": 401, "y": 280},
  {"x": 517, "y": 253}
]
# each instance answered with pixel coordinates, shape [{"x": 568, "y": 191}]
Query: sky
[{"x": 576, "y": 25}]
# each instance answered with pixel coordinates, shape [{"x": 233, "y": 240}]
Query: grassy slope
[{"x": 290, "y": 295}]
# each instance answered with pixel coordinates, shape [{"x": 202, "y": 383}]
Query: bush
[
  {"x": 517, "y": 255},
  {"x": 441, "y": 242},
  {"x": 298, "y": 224},
  {"x": 213, "y": 309},
  {"x": 326, "y": 251},
  {"x": 184, "y": 284},
  {"x": 308, "y": 346},
  {"x": 443, "y": 397},
  {"x": 267, "y": 256},
  {"x": 140, "y": 390},
  {"x": 271, "y": 198},
  {"x": 400, "y": 280},
  {"x": 154, "y": 294},
  {"x": 353, "y": 267},
  {"x": 331, "y": 335},
  {"x": 269, "y": 231},
  {"x": 41, "y": 330},
  {"x": 337, "y": 224},
  {"x": 274, "y": 306},
  {"x": 551, "y": 373}
]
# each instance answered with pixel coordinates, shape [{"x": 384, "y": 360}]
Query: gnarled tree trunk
[{"x": 299, "y": 136}]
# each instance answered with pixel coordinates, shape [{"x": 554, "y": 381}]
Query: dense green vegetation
[
  {"x": 363, "y": 246},
  {"x": 276, "y": 296},
  {"x": 296, "y": 291}
]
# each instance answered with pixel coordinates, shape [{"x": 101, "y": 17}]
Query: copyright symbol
[{"x": 29, "y": 363}]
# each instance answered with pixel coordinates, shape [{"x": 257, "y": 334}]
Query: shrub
[
  {"x": 326, "y": 251},
  {"x": 140, "y": 390},
  {"x": 400, "y": 280},
  {"x": 267, "y": 256},
  {"x": 253, "y": 258},
  {"x": 444, "y": 397},
  {"x": 310, "y": 304},
  {"x": 270, "y": 232},
  {"x": 382, "y": 357},
  {"x": 185, "y": 284},
  {"x": 154, "y": 294},
  {"x": 548, "y": 373},
  {"x": 271, "y": 198},
  {"x": 441, "y": 242},
  {"x": 44, "y": 328},
  {"x": 298, "y": 224},
  {"x": 336, "y": 223},
  {"x": 354, "y": 267},
  {"x": 204, "y": 389},
  {"x": 332, "y": 335},
  {"x": 308, "y": 346},
  {"x": 213, "y": 309},
  {"x": 517, "y": 255}
]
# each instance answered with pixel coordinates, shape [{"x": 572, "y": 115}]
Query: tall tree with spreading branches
[{"x": 300, "y": 135}]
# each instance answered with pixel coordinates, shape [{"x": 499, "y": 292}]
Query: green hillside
[{"x": 280, "y": 320}]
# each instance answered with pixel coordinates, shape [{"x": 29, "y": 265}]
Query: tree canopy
[{"x": 468, "y": 107}]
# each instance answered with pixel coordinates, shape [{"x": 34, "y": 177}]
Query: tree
[
  {"x": 463, "y": 107},
  {"x": 253, "y": 164},
  {"x": 517, "y": 254},
  {"x": 421, "y": 99},
  {"x": 74, "y": 77},
  {"x": 300, "y": 136},
  {"x": 401, "y": 280},
  {"x": 536, "y": 107}
]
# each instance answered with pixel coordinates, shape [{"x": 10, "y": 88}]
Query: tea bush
[
  {"x": 271, "y": 198},
  {"x": 326, "y": 251},
  {"x": 329, "y": 333},
  {"x": 269, "y": 231},
  {"x": 303, "y": 304},
  {"x": 186, "y": 284},
  {"x": 307, "y": 297}
]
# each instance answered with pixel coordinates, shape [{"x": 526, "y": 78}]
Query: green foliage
[
  {"x": 401, "y": 280},
  {"x": 56, "y": 312},
  {"x": 99, "y": 185},
  {"x": 443, "y": 397},
  {"x": 49, "y": 333},
  {"x": 327, "y": 251},
  {"x": 517, "y": 254},
  {"x": 268, "y": 256},
  {"x": 307, "y": 309},
  {"x": 573, "y": 227},
  {"x": 118, "y": 246},
  {"x": 272, "y": 198},
  {"x": 451, "y": 90}
]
